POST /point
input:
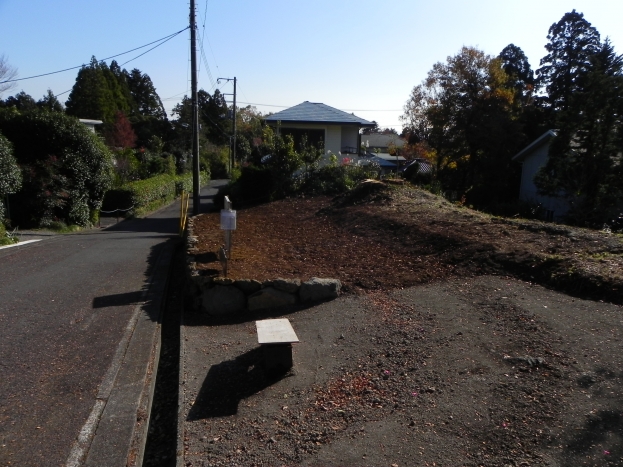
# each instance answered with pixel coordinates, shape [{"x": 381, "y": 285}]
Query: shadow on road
[
  {"x": 229, "y": 382},
  {"x": 120, "y": 299}
]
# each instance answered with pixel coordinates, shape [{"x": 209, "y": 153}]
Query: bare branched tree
[{"x": 7, "y": 73}]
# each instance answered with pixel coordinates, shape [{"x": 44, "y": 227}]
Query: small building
[
  {"x": 324, "y": 126},
  {"x": 90, "y": 123},
  {"x": 532, "y": 158}
]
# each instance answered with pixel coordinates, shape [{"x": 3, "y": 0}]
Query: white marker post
[{"x": 228, "y": 223}]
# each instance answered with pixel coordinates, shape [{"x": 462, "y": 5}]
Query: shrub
[
  {"x": 256, "y": 184},
  {"x": 333, "y": 179},
  {"x": 66, "y": 168},
  {"x": 10, "y": 175}
]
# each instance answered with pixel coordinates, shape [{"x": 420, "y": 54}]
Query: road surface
[{"x": 78, "y": 331}]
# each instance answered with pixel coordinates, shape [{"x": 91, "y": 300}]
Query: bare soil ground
[
  {"x": 446, "y": 350},
  {"x": 380, "y": 236}
]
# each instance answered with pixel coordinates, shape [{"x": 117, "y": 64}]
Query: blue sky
[{"x": 361, "y": 56}]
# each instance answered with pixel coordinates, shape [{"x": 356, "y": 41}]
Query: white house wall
[
  {"x": 350, "y": 137},
  {"x": 528, "y": 191},
  {"x": 334, "y": 139}
]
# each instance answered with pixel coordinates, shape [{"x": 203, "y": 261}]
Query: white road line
[
  {"x": 20, "y": 243},
  {"x": 82, "y": 444}
]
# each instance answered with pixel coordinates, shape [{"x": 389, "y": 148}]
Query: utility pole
[
  {"x": 234, "y": 161},
  {"x": 234, "y": 79},
  {"x": 195, "y": 104}
]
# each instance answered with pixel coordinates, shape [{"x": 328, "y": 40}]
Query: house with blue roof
[{"x": 324, "y": 126}]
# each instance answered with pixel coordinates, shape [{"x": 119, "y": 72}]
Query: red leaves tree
[{"x": 120, "y": 134}]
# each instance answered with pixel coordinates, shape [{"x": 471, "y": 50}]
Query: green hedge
[{"x": 140, "y": 197}]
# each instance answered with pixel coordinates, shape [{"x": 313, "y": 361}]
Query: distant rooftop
[{"x": 316, "y": 112}]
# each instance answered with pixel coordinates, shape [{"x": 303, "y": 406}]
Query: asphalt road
[{"x": 66, "y": 303}]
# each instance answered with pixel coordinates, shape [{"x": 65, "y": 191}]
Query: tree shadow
[
  {"x": 598, "y": 428},
  {"x": 120, "y": 299},
  {"x": 229, "y": 382}
]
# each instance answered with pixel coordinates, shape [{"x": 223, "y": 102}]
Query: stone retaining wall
[{"x": 222, "y": 296}]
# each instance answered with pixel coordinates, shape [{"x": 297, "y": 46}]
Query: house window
[
  {"x": 314, "y": 137},
  {"x": 549, "y": 215}
]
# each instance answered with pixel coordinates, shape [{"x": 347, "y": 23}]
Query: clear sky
[{"x": 360, "y": 56}]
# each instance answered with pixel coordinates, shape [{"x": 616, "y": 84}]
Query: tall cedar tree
[
  {"x": 585, "y": 163},
  {"x": 144, "y": 95},
  {"x": 572, "y": 41},
  {"x": 516, "y": 65},
  {"x": 121, "y": 76},
  {"x": 97, "y": 94}
]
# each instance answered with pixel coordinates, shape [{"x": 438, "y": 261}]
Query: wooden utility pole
[
  {"x": 195, "y": 104},
  {"x": 232, "y": 160}
]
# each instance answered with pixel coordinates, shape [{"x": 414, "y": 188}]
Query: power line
[
  {"x": 205, "y": 62},
  {"x": 154, "y": 47},
  {"x": 165, "y": 39}
]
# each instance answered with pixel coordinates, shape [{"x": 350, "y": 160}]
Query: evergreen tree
[
  {"x": 572, "y": 41},
  {"x": 121, "y": 76},
  {"x": 50, "y": 102},
  {"x": 146, "y": 99},
  {"x": 97, "y": 94},
  {"x": 516, "y": 65},
  {"x": 213, "y": 119},
  {"x": 21, "y": 101},
  {"x": 585, "y": 163}
]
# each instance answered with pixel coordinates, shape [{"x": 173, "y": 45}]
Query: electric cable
[
  {"x": 171, "y": 36},
  {"x": 154, "y": 47}
]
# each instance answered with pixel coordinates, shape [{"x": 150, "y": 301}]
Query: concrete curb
[
  {"x": 180, "y": 398},
  {"x": 116, "y": 431}
]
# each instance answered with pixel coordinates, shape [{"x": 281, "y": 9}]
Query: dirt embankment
[{"x": 380, "y": 236}]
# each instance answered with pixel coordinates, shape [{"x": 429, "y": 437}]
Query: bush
[
  {"x": 66, "y": 168},
  {"x": 215, "y": 159},
  {"x": 142, "y": 196},
  {"x": 4, "y": 238},
  {"x": 333, "y": 179},
  {"x": 256, "y": 184},
  {"x": 10, "y": 175}
]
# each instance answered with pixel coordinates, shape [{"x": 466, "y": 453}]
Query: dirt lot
[{"x": 445, "y": 350}]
